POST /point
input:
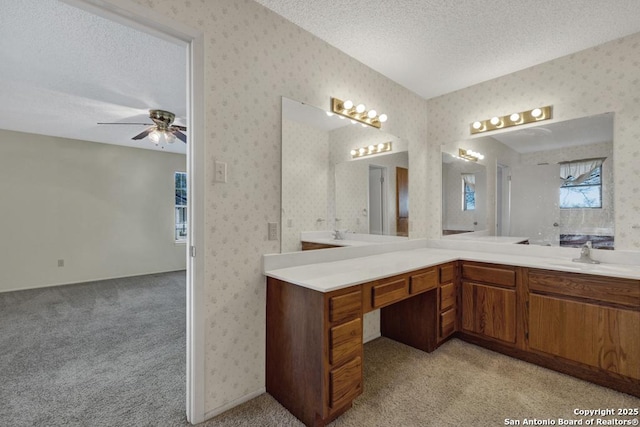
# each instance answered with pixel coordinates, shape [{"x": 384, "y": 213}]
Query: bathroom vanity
[{"x": 585, "y": 325}]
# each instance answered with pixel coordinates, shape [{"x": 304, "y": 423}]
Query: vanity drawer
[
  {"x": 604, "y": 289},
  {"x": 345, "y": 341},
  {"x": 447, "y": 323},
  {"x": 487, "y": 273},
  {"x": 446, "y": 273},
  {"x": 345, "y": 307},
  {"x": 345, "y": 383},
  {"x": 423, "y": 281},
  {"x": 447, "y": 296},
  {"x": 389, "y": 292}
]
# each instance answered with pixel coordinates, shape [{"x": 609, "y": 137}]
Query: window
[
  {"x": 468, "y": 192},
  {"x": 181, "y": 206},
  {"x": 584, "y": 191}
]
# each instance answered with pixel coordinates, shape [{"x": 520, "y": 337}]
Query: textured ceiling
[
  {"x": 63, "y": 70},
  {"x": 433, "y": 47}
]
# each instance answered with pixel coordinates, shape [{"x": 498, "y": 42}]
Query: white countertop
[
  {"x": 351, "y": 239},
  {"x": 492, "y": 239},
  {"x": 338, "y": 274}
]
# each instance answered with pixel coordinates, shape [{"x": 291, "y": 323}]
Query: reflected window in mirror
[
  {"x": 581, "y": 184},
  {"x": 531, "y": 182},
  {"x": 468, "y": 192}
]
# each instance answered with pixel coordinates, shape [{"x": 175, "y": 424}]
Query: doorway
[
  {"x": 141, "y": 18},
  {"x": 377, "y": 200},
  {"x": 402, "y": 201},
  {"x": 503, "y": 200}
]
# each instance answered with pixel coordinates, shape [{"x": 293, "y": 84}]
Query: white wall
[{"x": 106, "y": 210}]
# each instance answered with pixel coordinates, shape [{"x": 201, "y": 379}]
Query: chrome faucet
[{"x": 585, "y": 255}]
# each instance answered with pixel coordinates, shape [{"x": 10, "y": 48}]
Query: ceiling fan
[{"x": 163, "y": 131}]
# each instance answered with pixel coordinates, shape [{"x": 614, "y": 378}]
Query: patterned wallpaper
[
  {"x": 305, "y": 182},
  {"x": 253, "y": 58},
  {"x": 593, "y": 81}
]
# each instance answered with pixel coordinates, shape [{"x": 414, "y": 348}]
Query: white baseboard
[
  {"x": 89, "y": 280},
  {"x": 239, "y": 401},
  {"x": 371, "y": 337}
]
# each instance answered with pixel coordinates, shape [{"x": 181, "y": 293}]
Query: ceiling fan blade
[
  {"x": 142, "y": 124},
  {"x": 145, "y": 133},
  {"x": 181, "y": 136},
  {"x": 183, "y": 128}
]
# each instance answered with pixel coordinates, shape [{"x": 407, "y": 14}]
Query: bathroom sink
[{"x": 592, "y": 268}]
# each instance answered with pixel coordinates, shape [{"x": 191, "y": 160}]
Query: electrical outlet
[
  {"x": 220, "y": 172},
  {"x": 273, "y": 230},
  {"x": 60, "y": 263}
]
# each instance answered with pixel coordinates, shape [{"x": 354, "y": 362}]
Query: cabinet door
[
  {"x": 489, "y": 311},
  {"x": 604, "y": 337}
]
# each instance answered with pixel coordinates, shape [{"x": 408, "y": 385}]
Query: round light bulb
[
  {"x": 372, "y": 114},
  {"x": 536, "y": 112},
  {"x": 477, "y": 125},
  {"x": 360, "y": 108},
  {"x": 380, "y": 146},
  {"x": 155, "y": 136},
  {"x": 347, "y": 105},
  {"x": 514, "y": 117},
  {"x": 353, "y": 152},
  {"x": 371, "y": 148},
  {"x": 361, "y": 151},
  {"x": 495, "y": 121},
  {"x": 382, "y": 118},
  {"x": 480, "y": 156}
]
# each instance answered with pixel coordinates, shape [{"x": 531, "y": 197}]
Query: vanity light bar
[
  {"x": 358, "y": 113},
  {"x": 371, "y": 149},
  {"x": 469, "y": 155},
  {"x": 515, "y": 119}
]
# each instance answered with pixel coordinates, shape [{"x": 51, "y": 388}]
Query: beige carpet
[{"x": 457, "y": 385}]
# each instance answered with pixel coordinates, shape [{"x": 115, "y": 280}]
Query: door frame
[
  {"x": 141, "y": 18},
  {"x": 384, "y": 208}
]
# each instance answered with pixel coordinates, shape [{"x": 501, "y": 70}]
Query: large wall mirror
[
  {"x": 464, "y": 195},
  {"x": 325, "y": 189},
  {"x": 551, "y": 184}
]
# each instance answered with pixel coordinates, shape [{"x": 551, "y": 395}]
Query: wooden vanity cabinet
[
  {"x": 311, "y": 246},
  {"x": 410, "y": 317},
  {"x": 489, "y": 301},
  {"x": 313, "y": 350},
  {"x": 591, "y": 320},
  {"x": 447, "y": 301}
]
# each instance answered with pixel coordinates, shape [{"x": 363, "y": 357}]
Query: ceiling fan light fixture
[{"x": 160, "y": 137}]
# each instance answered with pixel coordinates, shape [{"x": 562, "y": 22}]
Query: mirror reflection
[
  {"x": 464, "y": 195},
  {"x": 329, "y": 198},
  {"x": 552, "y": 184}
]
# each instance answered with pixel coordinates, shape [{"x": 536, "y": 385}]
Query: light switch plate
[
  {"x": 220, "y": 172},
  {"x": 273, "y": 230}
]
